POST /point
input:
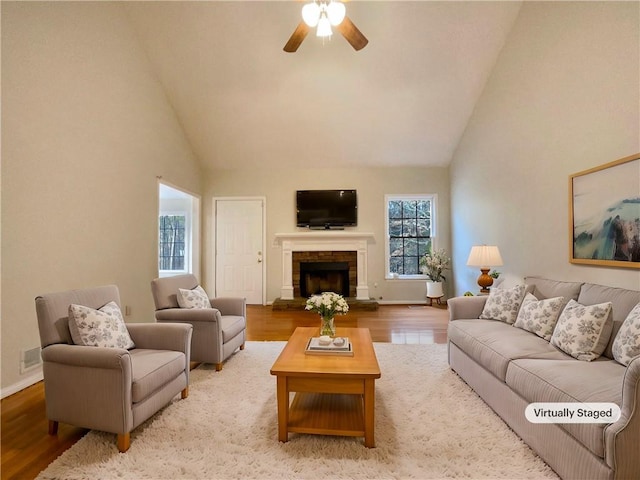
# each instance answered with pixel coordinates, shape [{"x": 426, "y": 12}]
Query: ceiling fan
[{"x": 324, "y": 14}]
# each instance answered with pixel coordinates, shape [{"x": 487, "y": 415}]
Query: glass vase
[{"x": 327, "y": 327}]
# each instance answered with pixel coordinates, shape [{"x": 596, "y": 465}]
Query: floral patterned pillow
[
  {"x": 99, "y": 328},
  {"x": 626, "y": 345},
  {"x": 539, "y": 316},
  {"x": 583, "y": 331},
  {"x": 503, "y": 304},
  {"x": 196, "y": 298}
]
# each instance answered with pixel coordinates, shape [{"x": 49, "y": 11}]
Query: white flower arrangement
[
  {"x": 432, "y": 265},
  {"x": 327, "y": 304}
]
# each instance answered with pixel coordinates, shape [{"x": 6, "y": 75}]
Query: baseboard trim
[
  {"x": 22, "y": 384},
  {"x": 402, "y": 302}
]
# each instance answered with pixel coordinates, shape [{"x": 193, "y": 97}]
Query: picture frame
[{"x": 604, "y": 214}]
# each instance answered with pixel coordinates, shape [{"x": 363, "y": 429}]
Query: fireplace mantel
[
  {"x": 321, "y": 240},
  {"x": 322, "y": 235}
]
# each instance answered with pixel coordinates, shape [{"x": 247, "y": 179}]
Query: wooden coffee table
[{"x": 335, "y": 394}]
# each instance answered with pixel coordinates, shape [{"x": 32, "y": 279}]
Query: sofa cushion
[
  {"x": 626, "y": 345},
  {"x": 231, "y": 325},
  {"x": 547, "y": 380},
  {"x": 539, "y": 316},
  {"x": 622, "y": 301},
  {"x": 152, "y": 369},
  {"x": 583, "y": 331},
  {"x": 493, "y": 344},
  {"x": 546, "y": 288},
  {"x": 194, "y": 298},
  {"x": 503, "y": 304},
  {"x": 104, "y": 327}
]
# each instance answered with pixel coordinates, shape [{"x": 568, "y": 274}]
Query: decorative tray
[{"x": 316, "y": 346}]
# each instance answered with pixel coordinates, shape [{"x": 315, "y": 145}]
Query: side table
[{"x": 431, "y": 299}]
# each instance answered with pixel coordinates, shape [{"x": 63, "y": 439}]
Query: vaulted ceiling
[{"x": 404, "y": 100}]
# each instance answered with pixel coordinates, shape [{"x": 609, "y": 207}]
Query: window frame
[
  {"x": 433, "y": 198},
  {"x": 187, "y": 241}
]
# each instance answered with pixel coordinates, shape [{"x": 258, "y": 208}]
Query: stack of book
[{"x": 335, "y": 347}]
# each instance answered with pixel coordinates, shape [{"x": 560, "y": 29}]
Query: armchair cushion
[
  {"x": 232, "y": 325},
  {"x": 104, "y": 327},
  {"x": 151, "y": 369},
  {"x": 194, "y": 298}
]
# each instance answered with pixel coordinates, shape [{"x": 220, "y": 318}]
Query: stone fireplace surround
[{"x": 324, "y": 241}]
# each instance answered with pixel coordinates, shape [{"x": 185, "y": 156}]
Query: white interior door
[{"x": 240, "y": 249}]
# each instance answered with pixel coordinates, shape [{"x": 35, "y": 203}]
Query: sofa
[{"x": 511, "y": 367}]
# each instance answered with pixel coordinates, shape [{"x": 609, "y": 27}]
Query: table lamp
[{"x": 485, "y": 257}]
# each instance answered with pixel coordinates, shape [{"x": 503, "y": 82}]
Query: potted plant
[{"x": 432, "y": 264}]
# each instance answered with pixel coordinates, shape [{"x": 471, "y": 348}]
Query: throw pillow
[
  {"x": 583, "y": 331},
  {"x": 626, "y": 345},
  {"x": 196, "y": 298},
  {"x": 503, "y": 304},
  {"x": 104, "y": 327},
  {"x": 539, "y": 316}
]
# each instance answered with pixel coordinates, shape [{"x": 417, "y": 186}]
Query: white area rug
[{"x": 429, "y": 424}]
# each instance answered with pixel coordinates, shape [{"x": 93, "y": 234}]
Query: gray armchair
[
  {"x": 108, "y": 389},
  {"x": 217, "y": 331}
]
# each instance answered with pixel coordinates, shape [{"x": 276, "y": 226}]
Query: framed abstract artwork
[{"x": 604, "y": 214}]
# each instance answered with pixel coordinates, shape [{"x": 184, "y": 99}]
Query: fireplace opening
[{"x": 318, "y": 277}]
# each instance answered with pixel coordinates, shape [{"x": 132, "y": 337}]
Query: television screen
[{"x": 326, "y": 208}]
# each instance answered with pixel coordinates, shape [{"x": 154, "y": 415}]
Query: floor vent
[{"x": 30, "y": 359}]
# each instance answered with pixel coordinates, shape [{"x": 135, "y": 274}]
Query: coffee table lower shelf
[{"x": 327, "y": 414}]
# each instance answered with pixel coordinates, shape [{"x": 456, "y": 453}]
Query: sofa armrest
[
  {"x": 622, "y": 437},
  {"x": 82, "y": 356},
  {"x": 162, "y": 336},
  {"x": 230, "y": 306},
  {"x": 466, "y": 307}
]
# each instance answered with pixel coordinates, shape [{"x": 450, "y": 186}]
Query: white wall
[
  {"x": 86, "y": 129},
  {"x": 563, "y": 97},
  {"x": 279, "y": 188}
]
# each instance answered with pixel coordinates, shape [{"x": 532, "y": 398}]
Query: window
[
  {"x": 172, "y": 244},
  {"x": 410, "y": 224}
]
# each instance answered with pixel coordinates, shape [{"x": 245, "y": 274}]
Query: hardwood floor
[{"x": 27, "y": 448}]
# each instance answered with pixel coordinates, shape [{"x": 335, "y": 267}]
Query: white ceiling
[{"x": 243, "y": 102}]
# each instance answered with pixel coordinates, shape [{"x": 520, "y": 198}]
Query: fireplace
[
  {"x": 318, "y": 277},
  {"x": 324, "y": 271},
  {"x": 326, "y": 245}
]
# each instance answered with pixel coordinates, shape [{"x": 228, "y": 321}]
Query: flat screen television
[{"x": 326, "y": 208}]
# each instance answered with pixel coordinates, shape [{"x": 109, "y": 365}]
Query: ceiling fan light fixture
[
  {"x": 311, "y": 14},
  {"x": 324, "y": 26},
  {"x": 322, "y": 15},
  {"x": 336, "y": 12}
]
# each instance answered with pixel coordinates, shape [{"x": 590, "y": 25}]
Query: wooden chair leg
[
  {"x": 124, "y": 442},
  {"x": 185, "y": 393},
  {"x": 218, "y": 367},
  {"x": 53, "y": 427},
  {"x": 242, "y": 347}
]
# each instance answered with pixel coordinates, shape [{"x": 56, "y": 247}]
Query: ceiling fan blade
[
  {"x": 352, "y": 34},
  {"x": 296, "y": 38}
]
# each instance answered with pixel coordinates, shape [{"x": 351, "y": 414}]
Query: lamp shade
[
  {"x": 324, "y": 27},
  {"x": 311, "y": 14},
  {"x": 484, "y": 256},
  {"x": 336, "y": 12}
]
